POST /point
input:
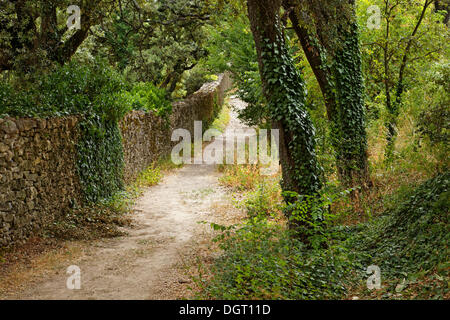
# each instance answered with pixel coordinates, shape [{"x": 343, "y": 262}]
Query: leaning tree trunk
[
  {"x": 332, "y": 49},
  {"x": 284, "y": 89}
]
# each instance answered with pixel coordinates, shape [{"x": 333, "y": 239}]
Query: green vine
[
  {"x": 100, "y": 158},
  {"x": 348, "y": 126},
  {"x": 286, "y": 95}
]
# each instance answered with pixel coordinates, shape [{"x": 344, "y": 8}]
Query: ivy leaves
[
  {"x": 286, "y": 93},
  {"x": 100, "y": 158},
  {"x": 349, "y": 135}
]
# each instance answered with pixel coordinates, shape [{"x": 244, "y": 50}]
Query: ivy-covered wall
[{"x": 40, "y": 174}]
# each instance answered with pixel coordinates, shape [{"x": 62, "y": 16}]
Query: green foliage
[
  {"x": 250, "y": 90},
  {"x": 315, "y": 103},
  {"x": 13, "y": 102},
  {"x": 100, "y": 149},
  {"x": 262, "y": 260},
  {"x": 413, "y": 235},
  {"x": 73, "y": 89},
  {"x": 149, "y": 40},
  {"x": 428, "y": 45},
  {"x": 120, "y": 40},
  {"x": 100, "y": 159},
  {"x": 231, "y": 48},
  {"x": 158, "y": 42},
  {"x": 434, "y": 119},
  {"x": 395, "y": 55},
  {"x": 196, "y": 78},
  {"x": 348, "y": 131},
  {"x": 287, "y": 105},
  {"x": 313, "y": 217},
  {"x": 332, "y": 48},
  {"x": 147, "y": 97},
  {"x": 263, "y": 202},
  {"x": 34, "y": 36}
]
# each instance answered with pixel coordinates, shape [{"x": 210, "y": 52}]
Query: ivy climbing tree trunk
[
  {"x": 349, "y": 134},
  {"x": 284, "y": 89},
  {"x": 328, "y": 33}
]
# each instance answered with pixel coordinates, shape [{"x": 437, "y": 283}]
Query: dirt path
[{"x": 145, "y": 264}]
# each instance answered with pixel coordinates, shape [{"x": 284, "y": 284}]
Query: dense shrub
[
  {"x": 17, "y": 103},
  {"x": 262, "y": 261},
  {"x": 147, "y": 97},
  {"x": 70, "y": 89},
  {"x": 81, "y": 89}
]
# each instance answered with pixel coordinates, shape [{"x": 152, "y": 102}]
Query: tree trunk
[
  {"x": 350, "y": 127},
  {"x": 337, "y": 68},
  {"x": 284, "y": 89}
]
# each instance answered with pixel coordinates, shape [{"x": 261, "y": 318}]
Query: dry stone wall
[{"x": 38, "y": 178}]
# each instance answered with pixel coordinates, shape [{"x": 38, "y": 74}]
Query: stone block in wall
[{"x": 8, "y": 126}]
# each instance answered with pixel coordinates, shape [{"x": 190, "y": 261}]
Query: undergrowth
[
  {"x": 409, "y": 242},
  {"x": 240, "y": 178},
  {"x": 88, "y": 224},
  {"x": 261, "y": 259}
]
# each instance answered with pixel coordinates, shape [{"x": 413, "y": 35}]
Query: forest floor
[{"x": 159, "y": 254}]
